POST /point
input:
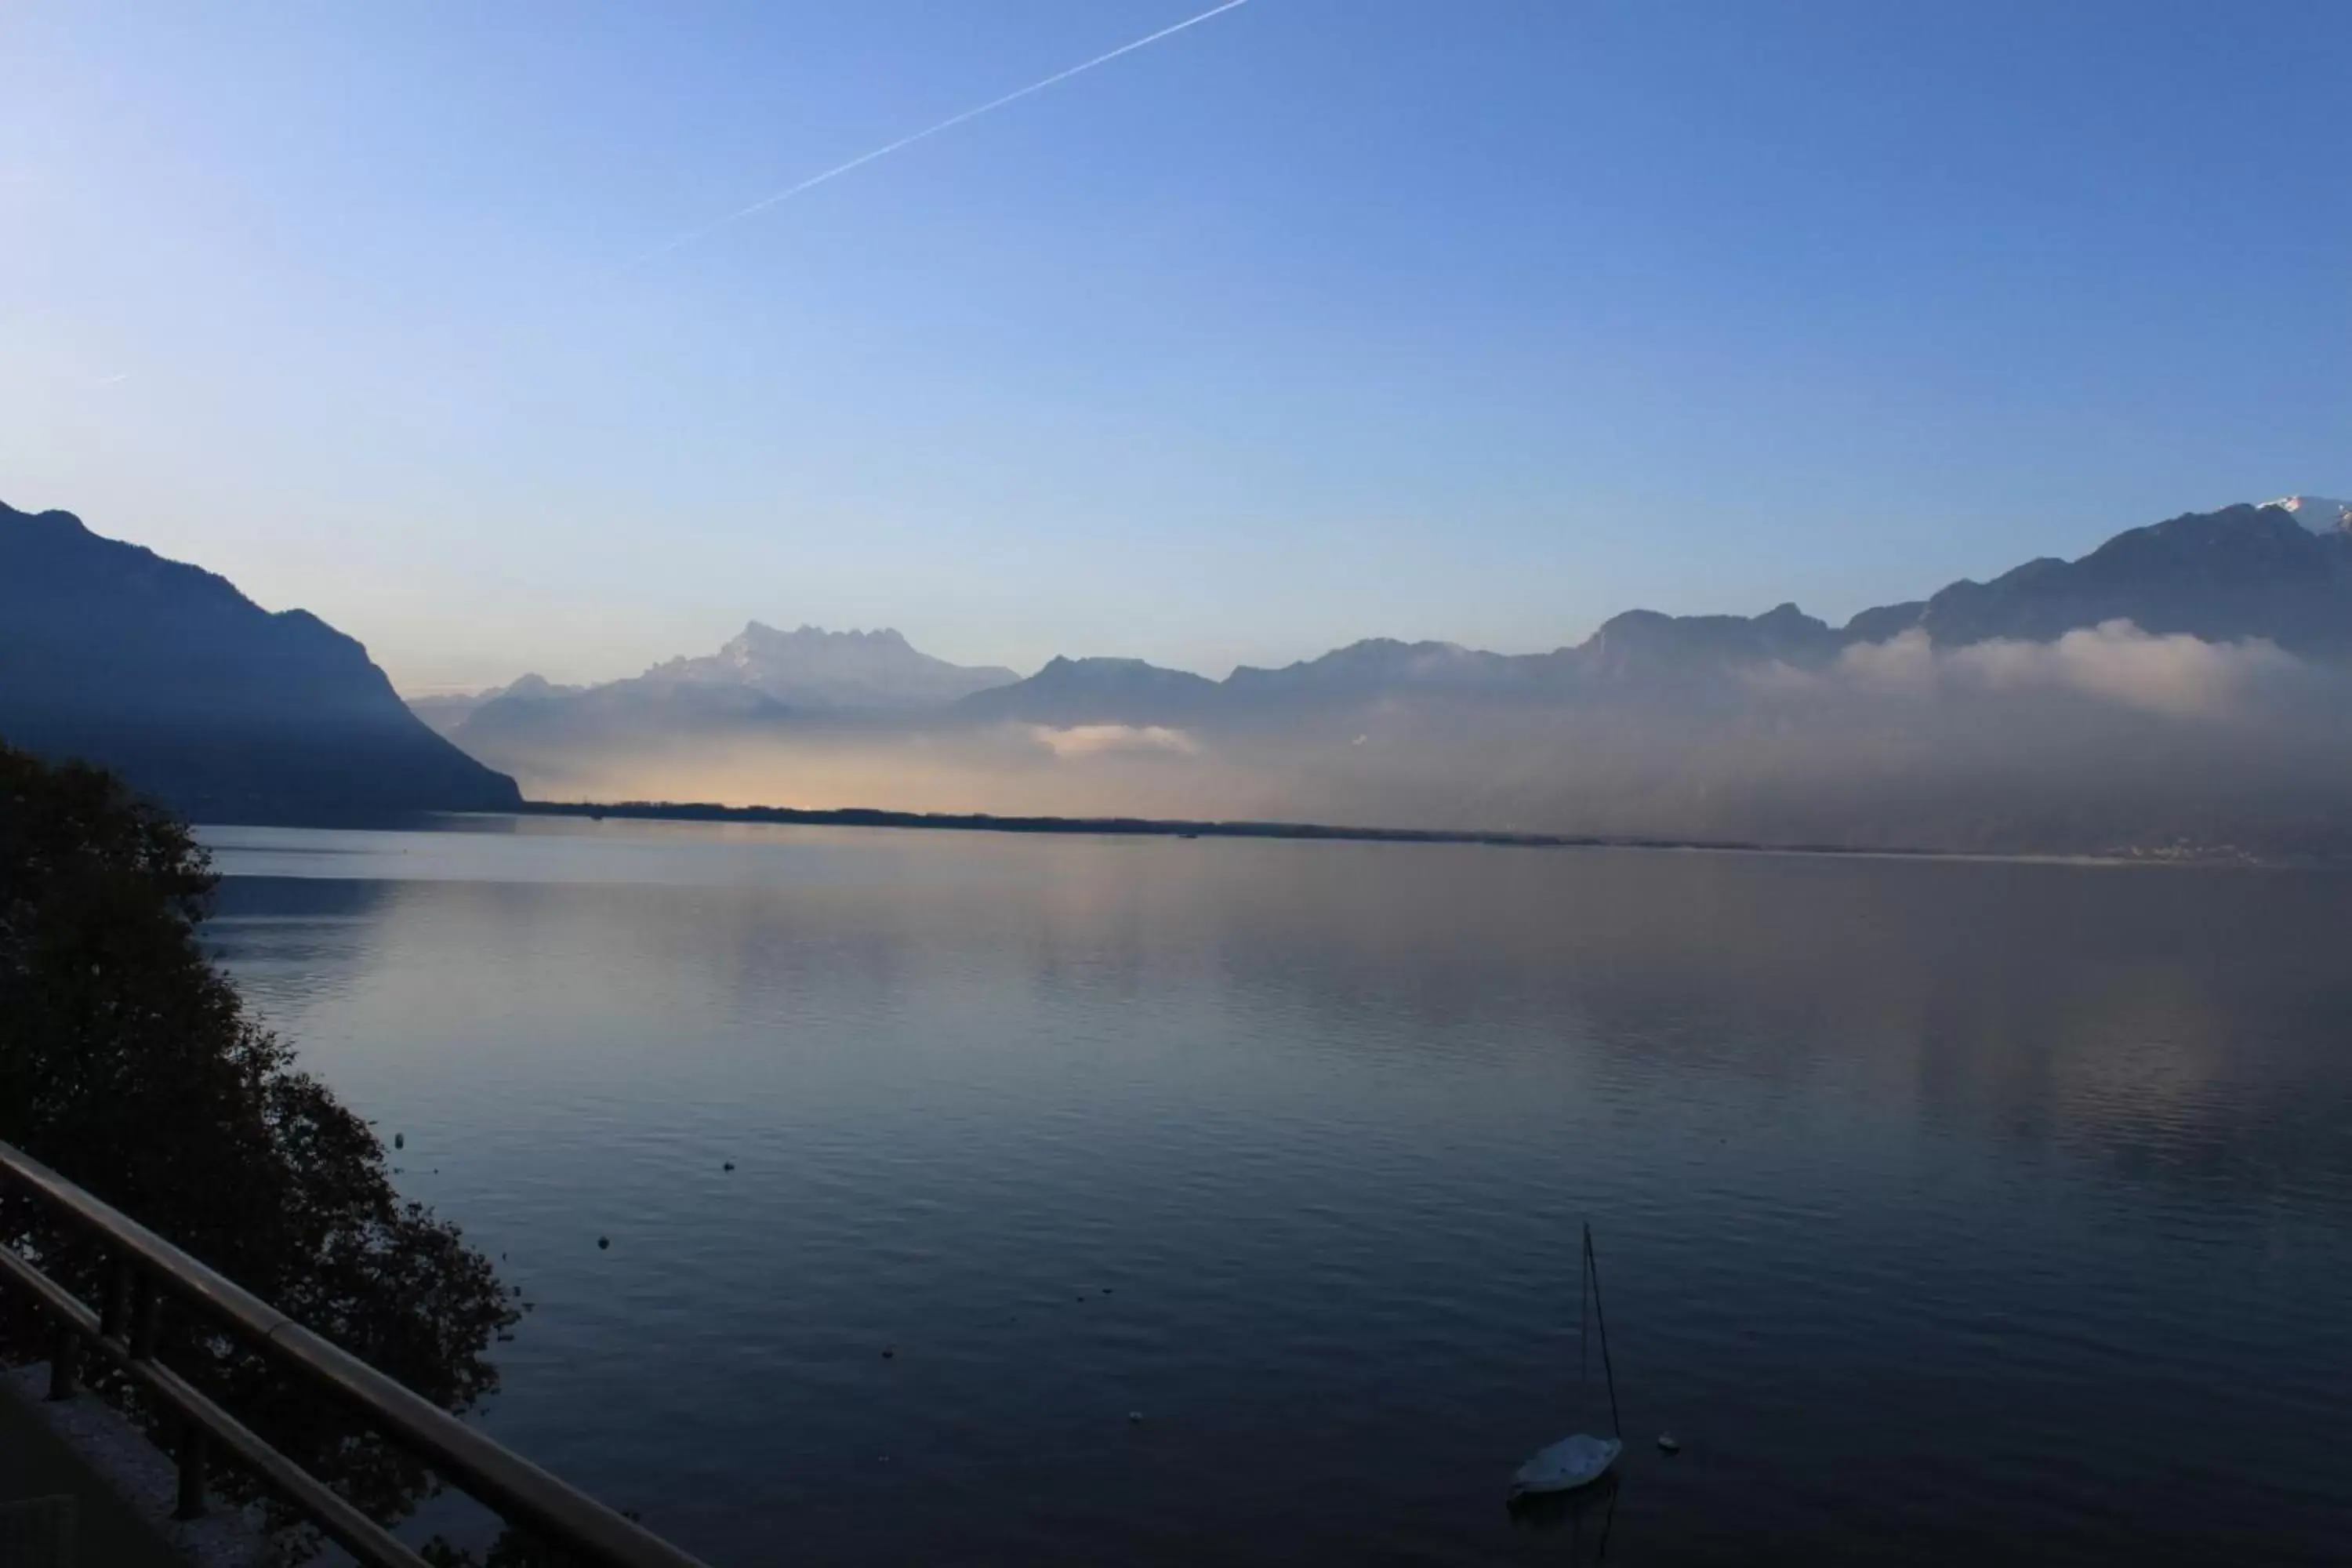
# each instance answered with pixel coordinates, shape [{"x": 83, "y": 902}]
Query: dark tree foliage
[{"x": 128, "y": 1065}]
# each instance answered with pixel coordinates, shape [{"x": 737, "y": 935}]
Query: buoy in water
[{"x": 1667, "y": 1445}]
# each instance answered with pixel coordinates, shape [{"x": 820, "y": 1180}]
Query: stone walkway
[
  {"x": 35, "y": 1462},
  {"x": 123, "y": 1487}
]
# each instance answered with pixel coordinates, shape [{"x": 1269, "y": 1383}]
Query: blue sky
[{"x": 1477, "y": 319}]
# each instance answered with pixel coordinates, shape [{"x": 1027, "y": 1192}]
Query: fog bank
[{"x": 2103, "y": 739}]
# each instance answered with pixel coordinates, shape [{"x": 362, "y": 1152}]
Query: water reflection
[
  {"x": 1920, "y": 1179},
  {"x": 1591, "y": 1509}
]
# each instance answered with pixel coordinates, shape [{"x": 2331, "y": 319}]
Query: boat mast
[{"x": 1591, "y": 1272}]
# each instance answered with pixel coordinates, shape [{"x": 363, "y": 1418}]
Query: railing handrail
[{"x": 510, "y": 1484}]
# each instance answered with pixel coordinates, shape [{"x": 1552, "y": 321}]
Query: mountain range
[
  {"x": 169, "y": 675},
  {"x": 2185, "y": 683},
  {"x": 810, "y": 669},
  {"x": 2279, "y": 572},
  {"x": 2185, "y": 687}
]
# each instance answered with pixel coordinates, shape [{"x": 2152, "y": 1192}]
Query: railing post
[
  {"x": 146, "y": 1319},
  {"x": 114, "y": 1312},
  {"x": 192, "y": 1472},
  {"x": 65, "y": 1357}
]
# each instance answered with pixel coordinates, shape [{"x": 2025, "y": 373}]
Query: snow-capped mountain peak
[
  {"x": 815, "y": 669},
  {"x": 2318, "y": 513}
]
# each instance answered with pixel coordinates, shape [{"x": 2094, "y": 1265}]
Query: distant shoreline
[
  {"x": 1168, "y": 827},
  {"x": 426, "y": 819}
]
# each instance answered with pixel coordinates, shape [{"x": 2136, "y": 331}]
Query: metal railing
[{"x": 147, "y": 1269}]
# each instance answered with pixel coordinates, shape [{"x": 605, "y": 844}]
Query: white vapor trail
[{"x": 947, "y": 124}]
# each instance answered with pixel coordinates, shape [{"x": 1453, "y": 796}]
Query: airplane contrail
[{"x": 947, "y": 124}]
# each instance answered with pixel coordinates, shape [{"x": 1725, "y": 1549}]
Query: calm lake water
[{"x": 1946, "y": 1212}]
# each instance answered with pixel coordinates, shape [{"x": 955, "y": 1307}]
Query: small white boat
[
  {"x": 1570, "y": 1463},
  {"x": 1580, "y": 1461}
]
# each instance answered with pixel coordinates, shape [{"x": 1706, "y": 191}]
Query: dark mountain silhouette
[
  {"x": 1082, "y": 691},
  {"x": 1883, "y": 622},
  {"x": 1381, "y": 666},
  {"x": 166, "y": 673},
  {"x": 444, "y": 711},
  {"x": 2225, "y": 577},
  {"x": 641, "y": 711},
  {"x": 1645, "y": 646}
]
